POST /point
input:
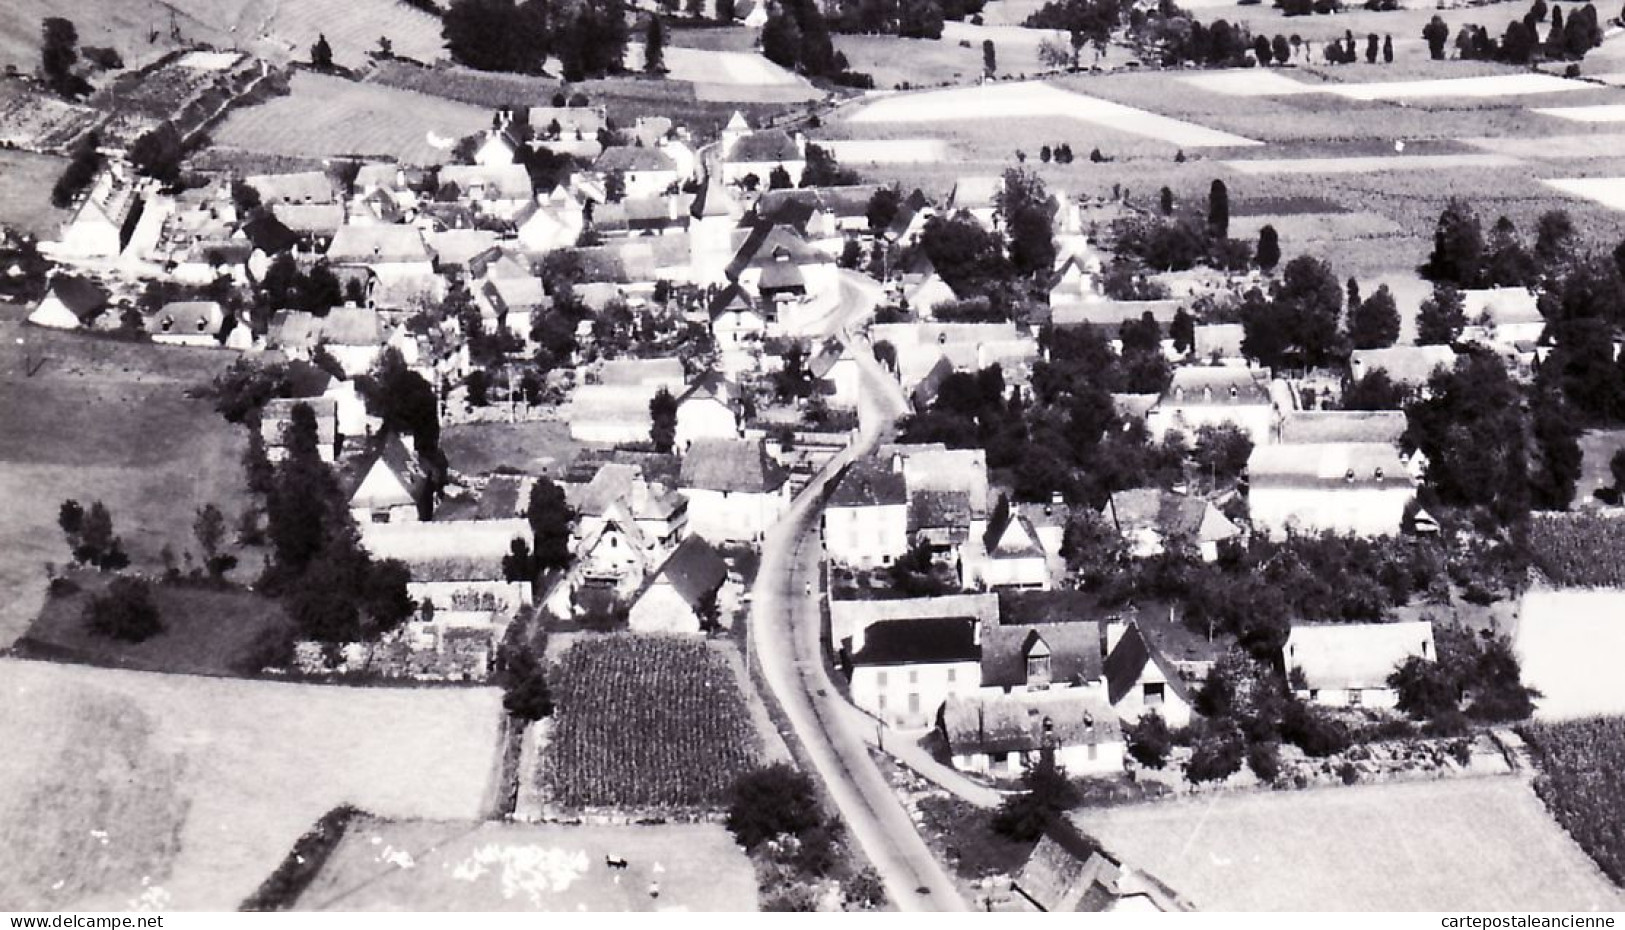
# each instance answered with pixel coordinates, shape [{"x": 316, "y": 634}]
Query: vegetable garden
[
  {"x": 1582, "y": 781},
  {"x": 649, "y": 722}
]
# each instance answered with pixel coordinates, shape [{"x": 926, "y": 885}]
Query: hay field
[
  {"x": 352, "y": 27},
  {"x": 1367, "y": 164},
  {"x": 1601, "y": 113},
  {"x": 1610, "y": 192},
  {"x": 1040, "y": 100},
  {"x": 1564, "y": 641},
  {"x": 25, "y": 192},
  {"x": 1478, "y": 844},
  {"x": 120, "y": 789},
  {"x": 326, "y": 115},
  {"x": 104, "y": 420},
  {"x": 450, "y": 866}
]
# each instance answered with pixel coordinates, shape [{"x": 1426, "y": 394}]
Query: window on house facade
[
  {"x": 913, "y": 676},
  {"x": 1154, "y": 692},
  {"x": 880, "y": 679},
  {"x": 380, "y": 516},
  {"x": 1356, "y": 697},
  {"x": 1094, "y": 752},
  {"x": 1038, "y": 671},
  {"x": 913, "y": 703}
]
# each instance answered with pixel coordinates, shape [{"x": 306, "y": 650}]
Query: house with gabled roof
[
  {"x": 1141, "y": 680},
  {"x": 709, "y": 409},
  {"x": 737, "y": 328},
  {"x": 838, "y": 376},
  {"x": 1348, "y": 664},
  {"x": 682, "y": 595},
  {"x": 494, "y": 190},
  {"x": 1361, "y": 488},
  {"x": 1000, "y": 734},
  {"x": 866, "y": 521},
  {"x": 70, "y": 302},
  {"x": 1409, "y": 366},
  {"x": 105, "y": 219},
  {"x": 499, "y": 148},
  {"x": 187, "y": 323},
  {"x": 1014, "y": 553},
  {"x": 746, "y": 154},
  {"x": 661, "y": 514},
  {"x": 1149, "y": 518},
  {"x": 393, "y": 487},
  {"x": 1199, "y": 396},
  {"x": 645, "y": 171},
  {"x": 978, "y": 196},
  {"x": 298, "y": 187},
  {"x": 735, "y": 490},
  {"x": 903, "y": 670},
  {"x": 909, "y": 222},
  {"x": 713, "y": 224},
  {"x": 776, "y": 264},
  {"x": 551, "y": 222}
]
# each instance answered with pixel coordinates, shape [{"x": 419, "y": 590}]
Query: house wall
[
  {"x": 399, "y": 513},
  {"x": 1096, "y": 759},
  {"x": 993, "y": 573},
  {"x": 662, "y": 610},
  {"x": 90, "y": 235},
  {"x": 1258, "y": 420},
  {"x": 1174, "y": 711},
  {"x": 847, "y": 378},
  {"x": 1360, "y": 511},
  {"x": 53, "y": 313},
  {"x": 734, "y": 172},
  {"x": 1379, "y": 698},
  {"x": 727, "y": 516},
  {"x": 355, "y": 360},
  {"x": 704, "y": 419},
  {"x": 909, "y": 696},
  {"x": 866, "y": 537},
  {"x": 649, "y": 183}
]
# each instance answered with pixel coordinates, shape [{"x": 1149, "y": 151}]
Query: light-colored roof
[
  {"x": 1169, "y": 514},
  {"x": 309, "y": 217},
  {"x": 1503, "y": 305},
  {"x": 1410, "y": 365},
  {"x": 1193, "y": 385},
  {"x": 499, "y": 182},
  {"x": 187, "y": 318},
  {"x": 378, "y": 245},
  {"x": 1323, "y": 426},
  {"x": 1356, "y": 655},
  {"x": 1327, "y": 466},
  {"x": 975, "y": 193},
  {"x": 770, "y": 145},
  {"x": 299, "y": 187},
  {"x": 634, "y": 158},
  {"x": 1221, "y": 338},
  {"x": 458, "y": 246},
  {"x": 735, "y": 465},
  {"x": 352, "y": 326},
  {"x": 649, "y": 371}
]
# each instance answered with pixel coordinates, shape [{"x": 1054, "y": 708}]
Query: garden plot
[
  {"x": 886, "y": 151},
  {"x": 1610, "y": 192},
  {"x": 1490, "y": 85},
  {"x": 1304, "y": 227},
  {"x": 1250, "y": 82},
  {"x": 126, "y": 789},
  {"x": 1484, "y": 844},
  {"x": 1565, "y": 641},
  {"x": 443, "y": 866},
  {"x": 1602, "y": 113},
  {"x": 1600, "y": 145},
  {"x": 1040, "y": 100},
  {"x": 1367, "y": 164}
]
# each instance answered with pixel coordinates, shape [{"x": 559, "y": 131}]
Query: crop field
[
  {"x": 1492, "y": 85},
  {"x": 332, "y": 116},
  {"x": 1582, "y": 781},
  {"x": 25, "y": 192},
  {"x": 646, "y": 722},
  {"x": 36, "y": 120},
  {"x": 352, "y": 27},
  {"x": 107, "y": 420},
  {"x": 1480, "y": 844},
  {"x": 1368, "y": 164},
  {"x": 479, "y": 867},
  {"x": 855, "y": 152},
  {"x": 122, "y": 789},
  {"x": 1564, "y": 640},
  {"x": 1037, "y": 99}
]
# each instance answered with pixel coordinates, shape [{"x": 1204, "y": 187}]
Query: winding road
[{"x": 786, "y": 626}]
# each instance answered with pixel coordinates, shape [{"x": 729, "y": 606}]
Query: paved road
[{"x": 786, "y": 624}]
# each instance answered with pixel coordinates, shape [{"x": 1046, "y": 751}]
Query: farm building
[
  {"x": 645, "y": 172},
  {"x": 1348, "y": 664},
  {"x": 866, "y": 519},
  {"x": 849, "y": 618},
  {"x": 903, "y": 670},
  {"x": 708, "y": 410},
  {"x": 1354, "y": 487},
  {"x": 1199, "y": 397},
  {"x": 1020, "y": 549},
  {"x": 1003, "y": 734},
  {"x": 69, "y": 303},
  {"x": 1140, "y": 680},
  {"x": 735, "y": 491},
  {"x": 187, "y": 323},
  {"x": 106, "y": 218},
  {"x": 746, "y": 154},
  {"x": 681, "y": 596},
  {"x": 1410, "y": 366},
  {"x": 301, "y": 187}
]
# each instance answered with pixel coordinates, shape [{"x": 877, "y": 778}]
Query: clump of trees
[
  {"x": 90, "y": 535},
  {"x": 81, "y": 169},
  {"x": 125, "y": 611},
  {"x": 1479, "y": 670},
  {"x": 59, "y": 52},
  {"x": 504, "y": 35}
]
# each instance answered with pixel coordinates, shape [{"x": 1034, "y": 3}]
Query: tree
[
  {"x": 1216, "y": 754},
  {"x": 781, "y": 39},
  {"x": 1518, "y": 43},
  {"x": 403, "y": 400},
  {"x": 525, "y": 694},
  {"x": 663, "y": 420},
  {"x": 1441, "y": 317},
  {"x": 823, "y": 170},
  {"x": 1166, "y": 201},
  {"x": 882, "y": 208},
  {"x": 1426, "y": 689},
  {"x": 1149, "y": 741},
  {"x": 71, "y": 517},
  {"x": 771, "y": 802},
  {"x": 1375, "y": 391},
  {"x": 79, "y": 172},
  {"x": 1374, "y": 324},
  {"x": 125, "y": 611},
  {"x": 779, "y": 179},
  {"x": 1024, "y": 817},
  {"x": 210, "y": 530},
  {"x": 1183, "y": 332},
  {"x": 1458, "y": 247},
  {"x": 654, "y": 46},
  {"x": 990, "y": 61},
  {"x": 1507, "y": 263},
  {"x": 1388, "y": 50},
  {"x": 1282, "y": 48},
  {"x": 1221, "y": 451},
  {"x": 550, "y": 519},
  {"x": 1436, "y": 34},
  {"x": 1472, "y": 427},
  {"x": 321, "y": 54},
  {"x": 1262, "y": 48},
  {"x": 498, "y": 35},
  {"x": 1026, "y": 206},
  {"x": 1218, "y": 210},
  {"x": 59, "y": 50},
  {"x": 1616, "y": 468},
  {"x": 97, "y": 543},
  {"x": 1268, "y": 253},
  {"x": 725, "y": 11},
  {"x": 1554, "y": 239},
  {"x": 1371, "y": 49}
]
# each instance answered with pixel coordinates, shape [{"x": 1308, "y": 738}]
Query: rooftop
[
  {"x": 1356, "y": 655},
  {"x": 924, "y": 641}
]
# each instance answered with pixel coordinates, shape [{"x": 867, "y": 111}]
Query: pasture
[
  {"x": 537, "y": 447},
  {"x": 25, "y": 192},
  {"x": 648, "y": 723},
  {"x": 1478, "y": 844},
  {"x": 1563, "y": 641},
  {"x": 460, "y": 866},
  {"x": 326, "y": 116},
  {"x": 122, "y": 790},
  {"x": 105, "y": 420}
]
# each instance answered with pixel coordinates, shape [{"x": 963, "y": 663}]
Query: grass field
[
  {"x": 542, "y": 447},
  {"x": 441, "y": 866},
  {"x": 25, "y": 192},
  {"x": 1481, "y": 844},
  {"x": 332, "y": 116},
  {"x": 206, "y": 631},
  {"x": 110, "y": 421},
  {"x": 1563, "y": 641},
  {"x": 126, "y": 788},
  {"x": 646, "y": 722}
]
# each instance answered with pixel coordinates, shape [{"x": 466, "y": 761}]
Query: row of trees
[{"x": 1521, "y": 42}]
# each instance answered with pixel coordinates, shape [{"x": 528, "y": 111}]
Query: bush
[
  {"x": 303, "y": 862},
  {"x": 864, "y": 890},
  {"x": 769, "y": 802},
  {"x": 1313, "y": 731},
  {"x": 1348, "y": 773},
  {"x": 1216, "y": 755},
  {"x": 125, "y": 611},
  {"x": 1265, "y": 761},
  {"x": 1149, "y": 741},
  {"x": 62, "y": 587}
]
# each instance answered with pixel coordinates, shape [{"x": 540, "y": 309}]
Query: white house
[
  {"x": 1140, "y": 680},
  {"x": 101, "y": 226},
  {"x": 1003, "y": 734},
  {"x": 187, "y": 323},
  {"x": 735, "y": 491},
  {"x": 708, "y": 410},
  {"x": 903, "y": 670},
  {"x": 682, "y": 595},
  {"x": 497, "y": 190},
  {"x": 747, "y": 155},
  {"x": 497, "y": 149},
  {"x": 552, "y": 222},
  {"x": 645, "y": 171},
  {"x": 1359, "y": 488},
  {"x": 1348, "y": 664},
  {"x": 1502, "y": 317},
  {"x": 277, "y": 415},
  {"x": 69, "y": 303},
  {"x": 866, "y": 519},
  {"x": 355, "y": 336},
  {"x": 393, "y": 487},
  {"x": 737, "y": 328},
  {"x": 1198, "y": 397},
  {"x": 1015, "y": 553},
  {"x": 839, "y": 376}
]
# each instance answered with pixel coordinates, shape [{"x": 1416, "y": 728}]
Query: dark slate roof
[
  {"x": 909, "y": 642},
  {"x": 737, "y": 465},
  {"x": 1063, "y": 873},
  {"x": 732, "y": 298},
  {"x": 767, "y": 244},
  {"x": 83, "y": 297},
  {"x": 268, "y": 234},
  {"x": 867, "y": 484},
  {"x": 993, "y": 723},
  {"x": 764, "y": 146},
  {"x": 1128, "y": 660},
  {"x": 695, "y": 571},
  {"x": 781, "y": 276},
  {"x": 1074, "y": 652}
]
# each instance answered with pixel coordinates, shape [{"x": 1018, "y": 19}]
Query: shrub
[
  {"x": 1216, "y": 755},
  {"x": 303, "y": 862},
  {"x": 1149, "y": 741},
  {"x": 769, "y": 802},
  {"x": 1313, "y": 731},
  {"x": 1348, "y": 773},
  {"x": 1265, "y": 761},
  {"x": 125, "y": 611},
  {"x": 864, "y": 890}
]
